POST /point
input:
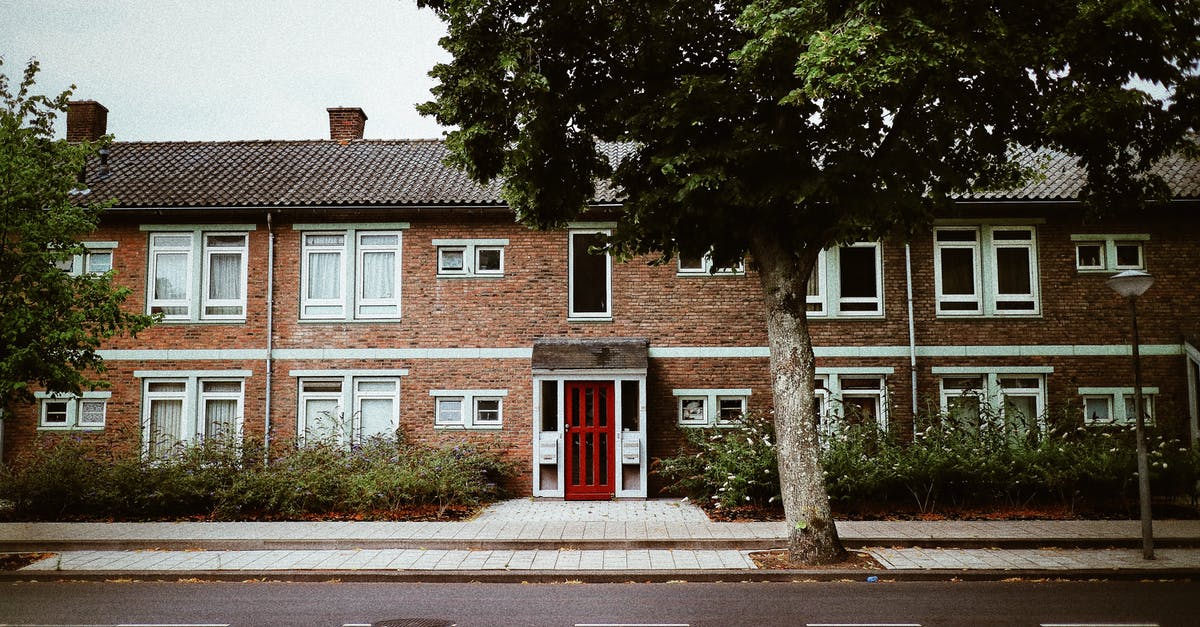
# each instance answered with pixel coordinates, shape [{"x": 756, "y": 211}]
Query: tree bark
[{"x": 812, "y": 536}]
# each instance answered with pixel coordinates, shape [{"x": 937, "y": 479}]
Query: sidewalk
[{"x": 641, "y": 540}]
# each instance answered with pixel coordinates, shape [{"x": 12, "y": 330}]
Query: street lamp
[{"x": 1131, "y": 284}]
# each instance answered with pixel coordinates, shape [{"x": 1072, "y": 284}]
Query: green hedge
[
  {"x": 944, "y": 465},
  {"x": 75, "y": 478}
]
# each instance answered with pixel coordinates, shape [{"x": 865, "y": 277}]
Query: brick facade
[{"x": 705, "y": 332}]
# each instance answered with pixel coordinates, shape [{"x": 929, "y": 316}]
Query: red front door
[{"x": 589, "y": 438}]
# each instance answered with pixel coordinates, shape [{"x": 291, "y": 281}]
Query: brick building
[{"x": 346, "y": 287}]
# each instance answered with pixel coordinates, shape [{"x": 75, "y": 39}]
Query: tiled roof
[
  {"x": 323, "y": 173},
  {"x": 590, "y": 353},
  {"x": 1062, "y": 179},
  {"x": 289, "y": 173}
]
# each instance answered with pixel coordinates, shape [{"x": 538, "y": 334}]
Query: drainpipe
[
  {"x": 270, "y": 337},
  {"x": 912, "y": 334}
]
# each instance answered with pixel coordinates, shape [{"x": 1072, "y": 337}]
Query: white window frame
[
  {"x": 194, "y": 399},
  {"x": 1108, "y": 244},
  {"x": 470, "y": 249},
  {"x": 361, "y": 250},
  {"x": 705, "y": 268},
  {"x": 986, "y": 296},
  {"x": 572, "y": 314},
  {"x": 349, "y": 303},
  {"x": 468, "y": 409},
  {"x": 1118, "y": 400},
  {"x": 741, "y": 400},
  {"x": 209, "y": 252},
  {"x": 154, "y": 304},
  {"x": 307, "y": 250},
  {"x": 74, "y": 410},
  {"x": 711, "y": 397},
  {"x": 442, "y": 417},
  {"x": 81, "y": 264},
  {"x": 828, "y": 301},
  {"x": 992, "y": 394},
  {"x": 198, "y": 271},
  {"x": 348, "y": 429}
]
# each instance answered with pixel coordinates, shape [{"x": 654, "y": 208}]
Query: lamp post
[{"x": 1131, "y": 284}]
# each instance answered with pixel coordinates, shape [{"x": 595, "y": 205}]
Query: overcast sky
[{"x": 231, "y": 69}]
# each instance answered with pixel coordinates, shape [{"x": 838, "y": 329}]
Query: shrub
[
  {"x": 728, "y": 465},
  {"x": 73, "y": 478},
  {"x": 949, "y": 461}
]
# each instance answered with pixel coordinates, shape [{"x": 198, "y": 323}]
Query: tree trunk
[{"x": 812, "y": 536}]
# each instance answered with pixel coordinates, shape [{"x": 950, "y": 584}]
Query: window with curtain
[
  {"x": 164, "y": 417},
  {"x": 190, "y": 266},
  {"x": 222, "y": 401},
  {"x": 225, "y": 276},
  {"x": 350, "y": 274}
]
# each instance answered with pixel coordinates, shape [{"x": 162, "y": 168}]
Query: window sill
[
  {"x": 470, "y": 276},
  {"x": 70, "y": 428},
  {"x": 573, "y": 319},
  {"x": 169, "y": 321},
  {"x": 467, "y": 428},
  {"x": 345, "y": 321},
  {"x": 843, "y": 317}
]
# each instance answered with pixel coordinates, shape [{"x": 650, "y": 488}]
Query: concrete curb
[
  {"x": 712, "y": 544},
  {"x": 602, "y": 576}
]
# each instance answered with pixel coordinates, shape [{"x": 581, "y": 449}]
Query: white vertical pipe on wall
[
  {"x": 270, "y": 336},
  {"x": 912, "y": 334}
]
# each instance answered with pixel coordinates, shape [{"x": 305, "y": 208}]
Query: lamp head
[{"x": 1131, "y": 283}]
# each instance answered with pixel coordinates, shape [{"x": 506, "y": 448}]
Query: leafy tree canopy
[
  {"x": 51, "y": 321},
  {"x": 779, "y": 128}
]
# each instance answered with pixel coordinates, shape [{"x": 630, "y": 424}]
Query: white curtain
[
  {"x": 166, "y": 425},
  {"x": 322, "y": 420},
  {"x": 170, "y": 276},
  {"x": 375, "y": 417},
  {"x": 225, "y": 276},
  {"x": 324, "y": 275},
  {"x": 220, "y": 417},
  {"x": 379, "y": 275}
]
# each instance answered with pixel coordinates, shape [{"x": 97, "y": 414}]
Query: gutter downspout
[
  {"x": 912, "y": 334},
  {"x": 270, "y": 337}
]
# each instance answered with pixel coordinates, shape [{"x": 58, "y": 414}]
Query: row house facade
[{"x": 345, "y": 288}]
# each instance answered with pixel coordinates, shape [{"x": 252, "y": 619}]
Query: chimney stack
[
  {"x": 87, "y": 120},
  {"x": 346, "y": 123}
]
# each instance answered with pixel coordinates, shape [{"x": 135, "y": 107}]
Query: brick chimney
[
  {"x": 87, "y": 120},
  {"x": 346, "y": 123}
]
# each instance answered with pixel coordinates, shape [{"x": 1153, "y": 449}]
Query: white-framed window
[
  {"x": 1115, "y": 406},
  {"x": 470, "y": 257},
  {"x": 1011, "y": 398},
  {"x": 986, "y": 270},
  {"x": 468, "y": 409},
  {"x": 847, "y": 281},
  {"x": 185, "y": 409},
  {"x": 197, "y": 275},
  {"x": 96, "y": 258},
  {"x": 690, "y": 265},
  {"x": 373, "y": 402},
  {"x": 1110, "y": 253},
  {"x": 710, "y": 407},
  {"x": 850, "y": 396},
  {"x": 350, "y": 274},
  {"x": 590, "y": 276},
  {"x": 68, "y": 412}
]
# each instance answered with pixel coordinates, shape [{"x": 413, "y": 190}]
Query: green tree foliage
[
  {"x": 51, "y": 322},
  {"x": 779, "y": 128}
]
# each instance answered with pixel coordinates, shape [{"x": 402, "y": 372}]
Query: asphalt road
[{"x": 179, "y": 604}]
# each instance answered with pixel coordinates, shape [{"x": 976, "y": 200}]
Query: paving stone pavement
[
  {"x": 394, "y": 559},
  {"x": 1033, "y": 559}
]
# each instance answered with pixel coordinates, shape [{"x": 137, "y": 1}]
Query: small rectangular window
[
  {"x": 1089, "y": 256},
  {"x": 92, "y": 413},
  {"x": 1097, "y": 410},
  {"x": 452, "y": 261},
  {"x": 54, "y": 413},
  {"x": 730, "y": 409},
  {"x": 692, "y": 411},
  {"x": 859, "y": 268},
  {"x": 816, "y": 287},
  {"x": 1129, "y": 256},
  {"x": 449, "y": 411},
  {"x": 487, "y": 412},
  {"x": 489, "y": 260},
  {"x": 691, "y": 264}
]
